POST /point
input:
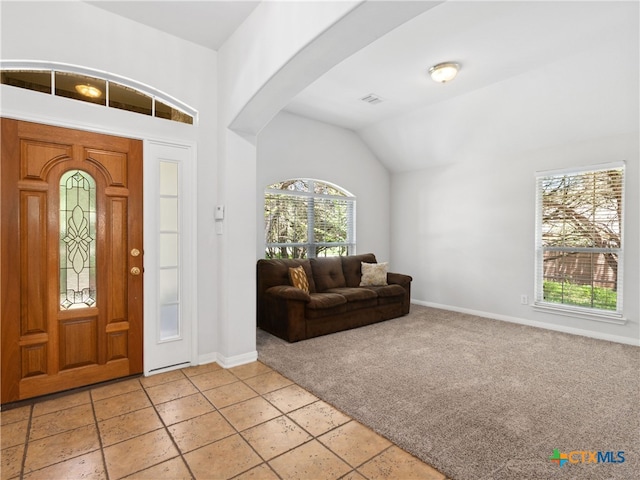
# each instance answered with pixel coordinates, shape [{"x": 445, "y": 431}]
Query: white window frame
[
  {"x": 310, "y": 245},
  {"x": 608, "y": 316}
]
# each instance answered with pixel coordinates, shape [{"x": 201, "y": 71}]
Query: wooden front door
[{"x": 71, "y": 250}]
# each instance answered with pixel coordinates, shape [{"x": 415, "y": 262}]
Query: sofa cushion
[
  {"x": 327, "y": 273},
  {"x": 325, "y": 300},
  {"x": 354, "y": 294},
  {"x": 357, "y": 297},
  {"x": 374, "y": 274},
  {"x": 298, "y": 278},
  {"x": 387, "y": 290},
  {"x": 351, "y": 267},
  {"x": 325, "y": 305}
]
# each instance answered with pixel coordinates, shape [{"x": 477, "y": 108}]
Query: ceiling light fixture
[
  {"x": 444, "y": 72},
  {"x": 88, "y": 91}
]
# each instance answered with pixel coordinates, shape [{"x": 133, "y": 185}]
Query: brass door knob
[
  {"x": 135, "y": 271},
  {"x": 135, "y": 252}
]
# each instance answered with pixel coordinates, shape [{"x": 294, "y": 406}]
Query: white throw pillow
[{"x": 374, "y": 274}]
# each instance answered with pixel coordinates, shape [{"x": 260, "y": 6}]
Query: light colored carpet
[{"x": 478, "y": 398}]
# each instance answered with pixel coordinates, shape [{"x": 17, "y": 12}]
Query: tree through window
[
  {"x": 306, "y": 218},
  {"x": 579, "y": 239}
]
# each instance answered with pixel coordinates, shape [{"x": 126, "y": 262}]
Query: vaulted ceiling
[
  {"x": 204, "y": 22},
  {"x": 534, "y": 74}
]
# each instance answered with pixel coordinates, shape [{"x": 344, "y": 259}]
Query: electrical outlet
[{"x": 524, "y": 300}]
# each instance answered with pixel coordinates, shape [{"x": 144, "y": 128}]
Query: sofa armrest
[
  {"x": 398, "y": 278},
  {"x": 289, "y": 293},
  {"x": 281, "y": 312},
  {"x": 405, "y": 282}
]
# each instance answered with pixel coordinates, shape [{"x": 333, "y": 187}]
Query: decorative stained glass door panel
[
  {"x": 78, "y": 240},
  {"x": 71, "y": 288}
]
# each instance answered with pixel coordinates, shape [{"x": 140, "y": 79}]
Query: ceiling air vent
[{"x": 372, "y": 99}]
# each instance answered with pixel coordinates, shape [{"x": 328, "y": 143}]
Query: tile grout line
[
  {"x": 166, "y": 428},
  {"x": 282, "y": 414},
  {"x": 26, "y": 442},
  {"x": 317, "y": 437},
  {"x": 216, "y": 409},
  {"x": 286, "y": 415},
  {"x": 95, "y": 422},
  {"x": 351, "y": 418},
  {"x": 264, "y": 461},
  {"x": 238, "y": 432},
  {"x": 95, "y": 419}
]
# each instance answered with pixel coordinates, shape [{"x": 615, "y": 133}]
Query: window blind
[
  {"x": 308, "y": 218},
  {"x": 579, "y": 231}
]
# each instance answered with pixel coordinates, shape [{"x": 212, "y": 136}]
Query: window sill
[{"x": 583, "y": 313}]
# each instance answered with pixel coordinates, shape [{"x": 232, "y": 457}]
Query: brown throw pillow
[{"x": 298, "y": 278}]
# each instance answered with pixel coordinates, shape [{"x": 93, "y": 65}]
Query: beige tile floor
[{"x": 205, "y": 422}]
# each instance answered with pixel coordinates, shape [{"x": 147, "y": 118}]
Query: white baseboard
[
  {"x": 236, "y": 360},
  {"x": 207, "y": 358},
  {"x": 214, "y": 358},
  {"x": 228, "y": 362},
  {"x": 534, "y": 323}
]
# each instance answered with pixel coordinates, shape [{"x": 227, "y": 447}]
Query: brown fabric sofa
[{"x": 335, "y": 301}]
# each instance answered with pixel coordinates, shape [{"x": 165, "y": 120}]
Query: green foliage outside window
[
  {"x": 307, "y": 218},
  {"x": 580, "y": 238}
]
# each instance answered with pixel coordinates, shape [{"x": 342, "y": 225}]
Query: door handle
[{"x": 135, "y": 271}]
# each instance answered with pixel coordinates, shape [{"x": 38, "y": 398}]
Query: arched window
[
  {"x": 305, "y": 218},
  {"x": 93, "y": 86}
]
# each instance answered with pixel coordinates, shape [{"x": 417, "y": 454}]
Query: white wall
[
  {"x": 291, "y": 146},
  {"x": 280, "y": 49},
  {"x": 465, "y": 231},
  {"x": 247, "y": 62},
  {"x": 81, "y": 34}
]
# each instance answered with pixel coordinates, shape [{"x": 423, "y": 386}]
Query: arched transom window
[
  {"x": 305, "y": 218},
  {"x": 93, "y": 86}
]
